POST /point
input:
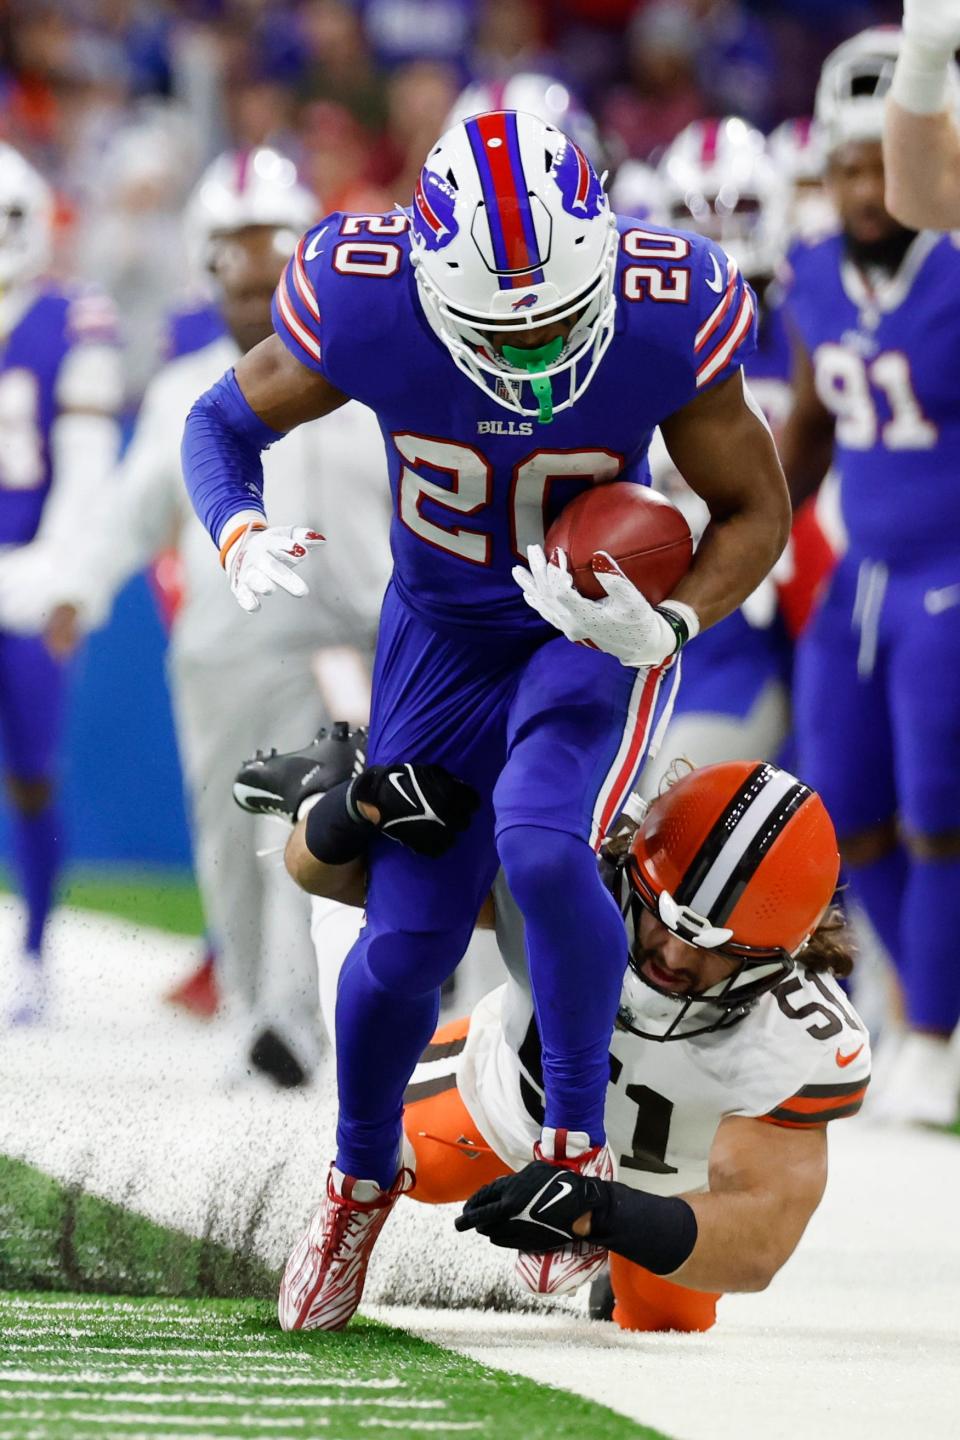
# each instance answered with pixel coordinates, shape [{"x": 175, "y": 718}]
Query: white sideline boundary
[{"x": 857, "y": 1339}]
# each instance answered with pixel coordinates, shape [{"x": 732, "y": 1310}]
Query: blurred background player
[
  {"x": 60, "y": 388},
  {"x": 234, "y": 681},
  {"x": 921, "y": 139},
  {"x": 718, "y": 180},
  {"x": 542, "y": 95},
  {"x": 796, "y": 149},
  {"x": 876, "y": 310}
]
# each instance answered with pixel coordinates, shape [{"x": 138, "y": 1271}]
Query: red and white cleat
[
  {"x": 323, "y": 1281},
  {"x": 567, "y": 1269}
]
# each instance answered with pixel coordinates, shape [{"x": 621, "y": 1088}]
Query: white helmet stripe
[{"x": 778, "y": 785}]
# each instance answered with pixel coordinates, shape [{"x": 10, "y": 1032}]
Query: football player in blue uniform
[
  {"x": 518, "y": 344},
  {"x": 60, "y": 386},
  {"x": 877, "y": 704}
]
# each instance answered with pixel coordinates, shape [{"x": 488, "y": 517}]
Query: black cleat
[
  {"x": 272, "y": 1057},
  {"x": 277, "y": 784},
  {"x": 602, "y": 1298}
]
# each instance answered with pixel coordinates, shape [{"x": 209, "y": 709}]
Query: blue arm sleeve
[{"x": 222, "y": 442}]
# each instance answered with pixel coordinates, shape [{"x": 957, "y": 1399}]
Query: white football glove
[
  {"x": 625, "y": 624},
  {"x": 30, "y": 588},
  {"x": 931, "y": 34},
  {"x": 933, "y": 22},
  {"x": 260, "y": 561}
]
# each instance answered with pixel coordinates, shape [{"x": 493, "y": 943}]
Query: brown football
[{"x": 644, "y": 532}]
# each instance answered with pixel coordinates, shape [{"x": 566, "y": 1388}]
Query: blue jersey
[
  {"x": 473, "y": 485},
  {"x": 885, "y": 361},
  {"x": 31, "y": 365}
]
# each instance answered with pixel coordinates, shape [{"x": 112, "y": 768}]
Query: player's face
[
  {"x": 247, "y": 267},
  {"x": 855, "y": 184},
  {"x": 671, "y": 964}
]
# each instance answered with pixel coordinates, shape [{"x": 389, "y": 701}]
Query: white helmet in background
[
  {"x": 539, "y": 95},
  {"x": 244, "y": 188},
  {"x": 511, "y": 229},
  {"x": 798, "y": 152},
  {"x": 719, "y": 180},
  {"x": 26, "y": 219},
  {"x": 853, "y": 85},
  {"x": 637, "y": 190}
]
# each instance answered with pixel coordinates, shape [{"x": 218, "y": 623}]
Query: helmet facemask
[
  {"x": 685, "y": 1014},
  {"x": 467, "y": 337}
]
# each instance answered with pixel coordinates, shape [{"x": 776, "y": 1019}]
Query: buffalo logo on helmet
[
  {"x": 581, "y": 193},
  {"x": 434, "y": 202},
  {"x": 524, "y": 302}
]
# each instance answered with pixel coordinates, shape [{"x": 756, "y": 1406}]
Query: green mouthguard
[{"x": 535, "y": 362}]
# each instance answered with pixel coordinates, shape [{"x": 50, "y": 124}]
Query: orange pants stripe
[{"x": 453, "y": 1161}]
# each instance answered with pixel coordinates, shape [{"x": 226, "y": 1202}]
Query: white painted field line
[
  {"x": 241, "y": 1354},
  {"x": 184, "y": 1397},
  {"x": 445, "y": 1425},
  {"x": 188, "y": 1377},
  {"x": 85, "y": 1332},
  {"x": 153, "y": 1308},
  {"x": 110, "y": 1418}
]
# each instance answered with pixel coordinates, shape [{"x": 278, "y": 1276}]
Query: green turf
[
  {"x": 72, "y": 1368},
  {"x": 56, "y": 1237},
  {"x": 167, "y": 899}
]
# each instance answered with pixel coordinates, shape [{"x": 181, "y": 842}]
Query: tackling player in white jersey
[
  {"x": 235, "y": 683},
  {"x": 733, "y": 1050}
]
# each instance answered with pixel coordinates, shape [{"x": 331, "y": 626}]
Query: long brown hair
[{"x": 830, "y": 949}]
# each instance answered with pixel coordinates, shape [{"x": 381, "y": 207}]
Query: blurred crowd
[{"x": 121, "y": 103}]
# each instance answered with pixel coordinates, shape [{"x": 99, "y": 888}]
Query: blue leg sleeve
[
  {"x": 388, "y": 1001},
  {"x": 931, "y": 922},
  {"x": 577, "y": 948},
  {"x": 222, "y": 442},
  {"x": 879, "y": 888}
]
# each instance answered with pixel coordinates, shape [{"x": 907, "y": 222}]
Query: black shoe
[
  {"x": 602, "y": 1299},
  {"x": 277, "y": 784},
  {"x": 272, "y": 1057}
]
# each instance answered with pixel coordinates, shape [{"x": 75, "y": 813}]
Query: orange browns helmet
[{"x": 740, "y": 858}]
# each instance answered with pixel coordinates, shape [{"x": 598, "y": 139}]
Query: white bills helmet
[
  {"x": 797, "y": 150},
  {"x": 244, "y": 188},
  {"x": 719, "y": 180},
  {"x": 511, "y": 230},
  {"x": 534, "y": 94},
  {"x": 854, "y": 83},
  {"x": 26, "y": 219}
]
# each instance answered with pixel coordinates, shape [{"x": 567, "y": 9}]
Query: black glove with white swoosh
[
  {"x": 534, "y": 1210},
  {"x": 421, "y": 806}
]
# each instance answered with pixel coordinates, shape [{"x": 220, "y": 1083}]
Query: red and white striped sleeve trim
[
  {"x": 633, "y": 745},
  {"x": 307, "y": 342},
  {"x": 304, "y": 289},
  {"x": 719, "y": 336}
]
